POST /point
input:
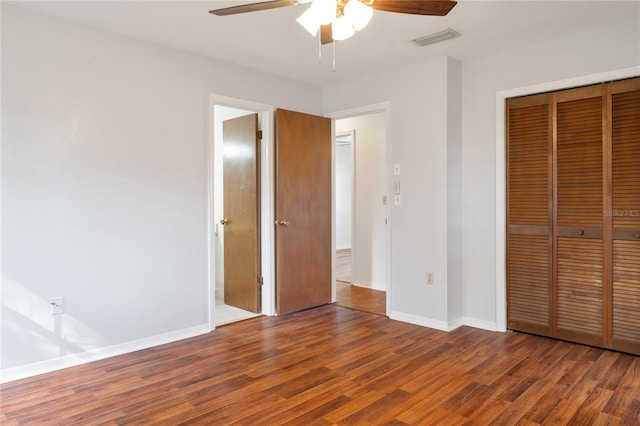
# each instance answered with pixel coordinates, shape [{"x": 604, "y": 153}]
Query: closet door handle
[
  {"x": 580, "y": 232},
  {"x": 224, "y": 222},
  {"x": 637, "y": 234}
]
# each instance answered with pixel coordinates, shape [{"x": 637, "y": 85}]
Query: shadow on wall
[{"x": 31, "y": 334}]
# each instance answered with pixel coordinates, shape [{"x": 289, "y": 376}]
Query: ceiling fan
[{"x": 339, "y": 19}]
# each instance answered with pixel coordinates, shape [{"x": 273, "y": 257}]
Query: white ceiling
[{"x": 274, "y": 42}]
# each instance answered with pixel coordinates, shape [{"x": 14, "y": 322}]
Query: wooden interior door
[
  {"x": 579, "y": 193},
  {"x": 625, "y": 215},
  {"x": 529, "y": 204},
  {"x": 303, "y": 211},
  {"x": 242, "y": 284}
]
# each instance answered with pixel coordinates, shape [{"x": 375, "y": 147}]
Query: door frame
[
  {"x": 500, "y": 190},
  {"x": 355, "y": 112},
  {"x": 352, "y": 137},
  {"x": 266, "y": 200}
]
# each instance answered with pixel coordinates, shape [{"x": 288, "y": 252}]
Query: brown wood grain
[
  {"x": 242, "y": 211},
  {"x": 303, "y": 199},
  {"x": 333, "y": 365},
  {"x": 593, "y": 207}
]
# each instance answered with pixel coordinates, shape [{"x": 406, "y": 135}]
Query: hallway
[{"x": 354, "y": 297}]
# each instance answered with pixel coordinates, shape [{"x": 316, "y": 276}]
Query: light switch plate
[{"x": 57, "y": 305}]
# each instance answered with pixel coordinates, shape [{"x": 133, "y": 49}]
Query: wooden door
[
  {"x": 529, "y": 203},
  {"x": 579, "y": 220},
  {"x": 624, "y": 215},
  {"x": 593, "y": 256},
  {"x": 303, "y": 211},
  {"x": 241, "y": 213}
]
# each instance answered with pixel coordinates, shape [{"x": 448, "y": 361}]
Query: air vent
[{"x": 436, "y": 37}]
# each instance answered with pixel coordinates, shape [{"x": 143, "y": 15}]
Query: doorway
[
  {"x": 284, "y": 181},
  {"x": 221, "y": 108},
  {"x": 233, "y": 300},
  {"x": 361, "y": 212}
]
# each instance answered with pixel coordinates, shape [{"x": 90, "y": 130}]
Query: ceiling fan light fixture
[
  {"x": 309, "y": 22},
  {"x": 342, "y": 28},
  {"x": 436, "y": 37},
  {"x": 325, "y": 10},
  {"x": 358, "y": 13}
]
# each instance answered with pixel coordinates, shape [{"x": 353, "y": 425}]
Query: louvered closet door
[
  {"x": 579, "y": 215},
  {"x": 529, "y": 235},
  {"x": 625, "y": 215}
]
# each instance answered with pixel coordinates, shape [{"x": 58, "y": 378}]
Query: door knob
[
  {"x": 637, "y": 234},
  {"x": 224, "y": 222},
  {"x": 580, "y": 232},
  {"x": 282, "y": 222}
]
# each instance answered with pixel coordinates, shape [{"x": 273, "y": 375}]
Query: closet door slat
[
  {"x": 625, "y": 215},
  {"x": 529, "y": 214},
  {"x": 579, "y": 219}
]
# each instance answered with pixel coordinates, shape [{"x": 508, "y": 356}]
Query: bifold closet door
[
  {"x": 529, "y": 190},
  {"x": 573, "y": 215},
  {"x": 625, "y": 214},
  {"x": 579, "y": 155}
]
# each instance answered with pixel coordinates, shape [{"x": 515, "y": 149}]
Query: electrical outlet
[
  {"x": 429, "y": 278},
  {"x": 57, "y": 305}
]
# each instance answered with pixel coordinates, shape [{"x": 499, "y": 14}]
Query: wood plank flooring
[
  {"x": 350, "y": 296},
  {"x": 333, "y": 365}
]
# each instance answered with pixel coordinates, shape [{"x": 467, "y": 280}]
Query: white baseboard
[
  {"x": 370, "y": 285},
  {"x": 442, "y": 325},
  {"x": 459, "y": 322},
  {"x": 476, "y": 323},
  {"x": 16, "y": 373},
  {"x": 414, "y": 319}
]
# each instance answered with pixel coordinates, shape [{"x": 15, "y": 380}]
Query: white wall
[
  {"x": 104, "y": 187},
  {"x": 368, "y": 267},
  {"x": 423, "y": 98},
  {"x": 577, "y": 55},
  {"x": 343, "y": 193},
  {"x": 418, "y": 105},
  {"x": 455, "y": 296}
]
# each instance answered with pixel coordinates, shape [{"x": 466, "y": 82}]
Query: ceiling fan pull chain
[{"x": 334, "y": 55}]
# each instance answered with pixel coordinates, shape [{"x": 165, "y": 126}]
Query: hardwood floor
[
  {"x": 349, "y": 296},
  {"x": 362, "y": 299},
  {"x": 343, "y": 266},
  {"x": 333, "y": 365}
]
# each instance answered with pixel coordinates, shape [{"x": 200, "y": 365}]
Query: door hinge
[
  {"x": 260, "y": 280},
  {"x": 259, "y": 135}
]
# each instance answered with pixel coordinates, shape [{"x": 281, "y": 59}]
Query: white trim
[
  {"x": 11, "y": 374},
  {"x": 476, "y": 323},
  {"x": 266, "y": 201},
  {"x": 370, "y": 109},
  {"x": 370, "y": 285},
  {"x": 417, "y": 320},
  {"x": 501, "y": 96},
  {"x": 442, "y": 325},
  {"x": 334, "y": 292},
  {"x": 211, "y": 227},
  {"x": 353, "y": 248}
]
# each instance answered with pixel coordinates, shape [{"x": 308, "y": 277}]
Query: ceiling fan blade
[
  {"x": 253, "y": 7},
  {"x": 326, "y": 34},
  {"x": 416, "y": 7}
]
